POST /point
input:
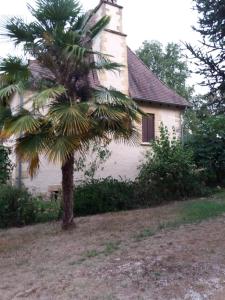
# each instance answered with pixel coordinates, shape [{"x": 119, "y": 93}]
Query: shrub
[
  {"x": 46, "y": 211},
  {"x": 169, "y": 172},
  {"x": 104, "y": 195},
  {"x": 5, "y": 165},
  {"x": 16, "y": 207},
  {"x": 19, "y": 208}
]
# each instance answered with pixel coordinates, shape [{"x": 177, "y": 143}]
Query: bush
[
  {"x": 207, "y": 139},
  {"x": 46, "y": 211},
  {"x": 104, "y": 195},
  {"x": 169, "y": 172},
  {"x": 5, "y": 165},
  {"x": 16, "y": 207},
  {"x": 19, "y": 208}
]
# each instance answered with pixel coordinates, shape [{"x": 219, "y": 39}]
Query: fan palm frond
[
  {"x": 14, "y": 69},
  {"x": 129, "y": 136},
  {"x": 23, "y": 122},
  {"x": 44, "y": 97},
  {"x": 119, "y": 101},
  {"x": 51, "y": 13},
  {"x": 5, "y": 114},
  {"x": 69, "y": 119},
  {"x": 29, "y": 147},
  {"x": 9, "y": 91},
  {"x": 99, "y": 26},
  {"x": 18, "y": 31},
  {"x": 62, "y": 147},
  {"x": 76, "y": 52}
]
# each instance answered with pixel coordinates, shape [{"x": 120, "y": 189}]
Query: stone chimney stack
[{"x": 112, "y": 41}]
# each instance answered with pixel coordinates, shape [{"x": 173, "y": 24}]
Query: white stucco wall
[{"x": 112, "y": 42}]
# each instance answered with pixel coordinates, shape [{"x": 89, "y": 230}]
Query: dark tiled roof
[
  {"x": 145, "y": 86},
  {"x": 39, "y": 72}
]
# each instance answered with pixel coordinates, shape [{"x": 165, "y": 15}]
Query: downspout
[
  {"x": 19, "y": 162},
  {"x": 182, "y": 127}
]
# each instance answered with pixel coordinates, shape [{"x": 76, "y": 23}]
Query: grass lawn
[{"x": 174, "y": 251}]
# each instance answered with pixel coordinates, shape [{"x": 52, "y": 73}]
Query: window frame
[{"x": 150, "y": 131}]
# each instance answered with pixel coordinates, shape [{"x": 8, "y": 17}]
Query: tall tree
[
  {"x": 67, "y": 111},
  {"x": 168, "y": 64},
  {"x": 210, "y": 55}
]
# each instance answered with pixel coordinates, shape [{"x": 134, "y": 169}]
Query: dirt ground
[{"x": 115, "y": 256}]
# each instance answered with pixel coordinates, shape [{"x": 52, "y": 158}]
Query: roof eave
[{"x": 183, "y": 106}]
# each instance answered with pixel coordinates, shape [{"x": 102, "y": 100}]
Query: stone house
[{"x": 160, "y": 103}]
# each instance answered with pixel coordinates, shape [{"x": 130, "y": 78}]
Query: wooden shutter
[{"x": 148, "y": 128}]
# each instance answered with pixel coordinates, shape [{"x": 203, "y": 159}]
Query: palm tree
[{"x": 68, "y": 111}]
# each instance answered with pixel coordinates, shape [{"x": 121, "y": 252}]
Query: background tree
[
  {"x": 67, "y": 112},
  {"x": 207, "y": 141},
  {"x": 210, "y": 55},
  {"x": 168, "y": 64}
]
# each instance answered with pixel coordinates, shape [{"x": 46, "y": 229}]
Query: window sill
[{"x": 145, "y": 144}]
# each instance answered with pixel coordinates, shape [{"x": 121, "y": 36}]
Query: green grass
[
  {"x": 145, "y": 233},
  {"x": 202, "y": 210},
  {"x": 190, "y": 212},
  {"x": 111, "y": 247},
  {"x": 91, "y": 253}
]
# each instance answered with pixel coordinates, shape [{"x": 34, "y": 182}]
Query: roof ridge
[{"x": 156, "y": 77}]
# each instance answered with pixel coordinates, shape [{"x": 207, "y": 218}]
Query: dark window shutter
[{"x": 148, "y": 128}]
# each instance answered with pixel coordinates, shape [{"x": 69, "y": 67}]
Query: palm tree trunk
[{"x": 67, "y": 188}]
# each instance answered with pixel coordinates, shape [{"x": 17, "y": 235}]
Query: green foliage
[
  {"x": 5, "y": 165},
  {"x": 168, "y": 64},
  {"x": 202, "y": 210},
  {"x": 209, "y": 56},
  {"x": 104, "y": 195},
  {"x": 169, "y": 172},
  {"x": 145, "y": 233},
  {"x": 207, "y": 139},
  {"x": 45, "y": 210},
  {"x": 14, "y": 69},
  {"x": 16, "y": 207},
  {"x": 19, "y": 208},
  {"x": 14, "y": 74},
  {"x": 111, "y": 247},
  {"x": 88, "y": 165}
]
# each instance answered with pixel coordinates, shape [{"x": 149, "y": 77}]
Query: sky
[{"x": 162, "y": 20}]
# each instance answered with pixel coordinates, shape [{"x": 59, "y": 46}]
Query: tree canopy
[
  {"x": 209, "y": 56},
  {"x": 168, "y": 64}
]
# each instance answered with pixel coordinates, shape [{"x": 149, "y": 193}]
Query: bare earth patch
[{"x": 115, "y": 256}]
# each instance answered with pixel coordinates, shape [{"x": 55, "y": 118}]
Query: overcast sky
[{"x": 163, "y": 20}]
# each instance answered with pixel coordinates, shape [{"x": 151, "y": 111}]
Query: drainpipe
[
  {"x": 182, "y": 127},
  {"x": 19, "y": 162}
]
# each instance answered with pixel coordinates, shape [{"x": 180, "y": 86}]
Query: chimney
[{"x": 112, "y": 41}]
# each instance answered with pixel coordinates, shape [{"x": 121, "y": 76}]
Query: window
[{"x": 148, "y": 128}]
